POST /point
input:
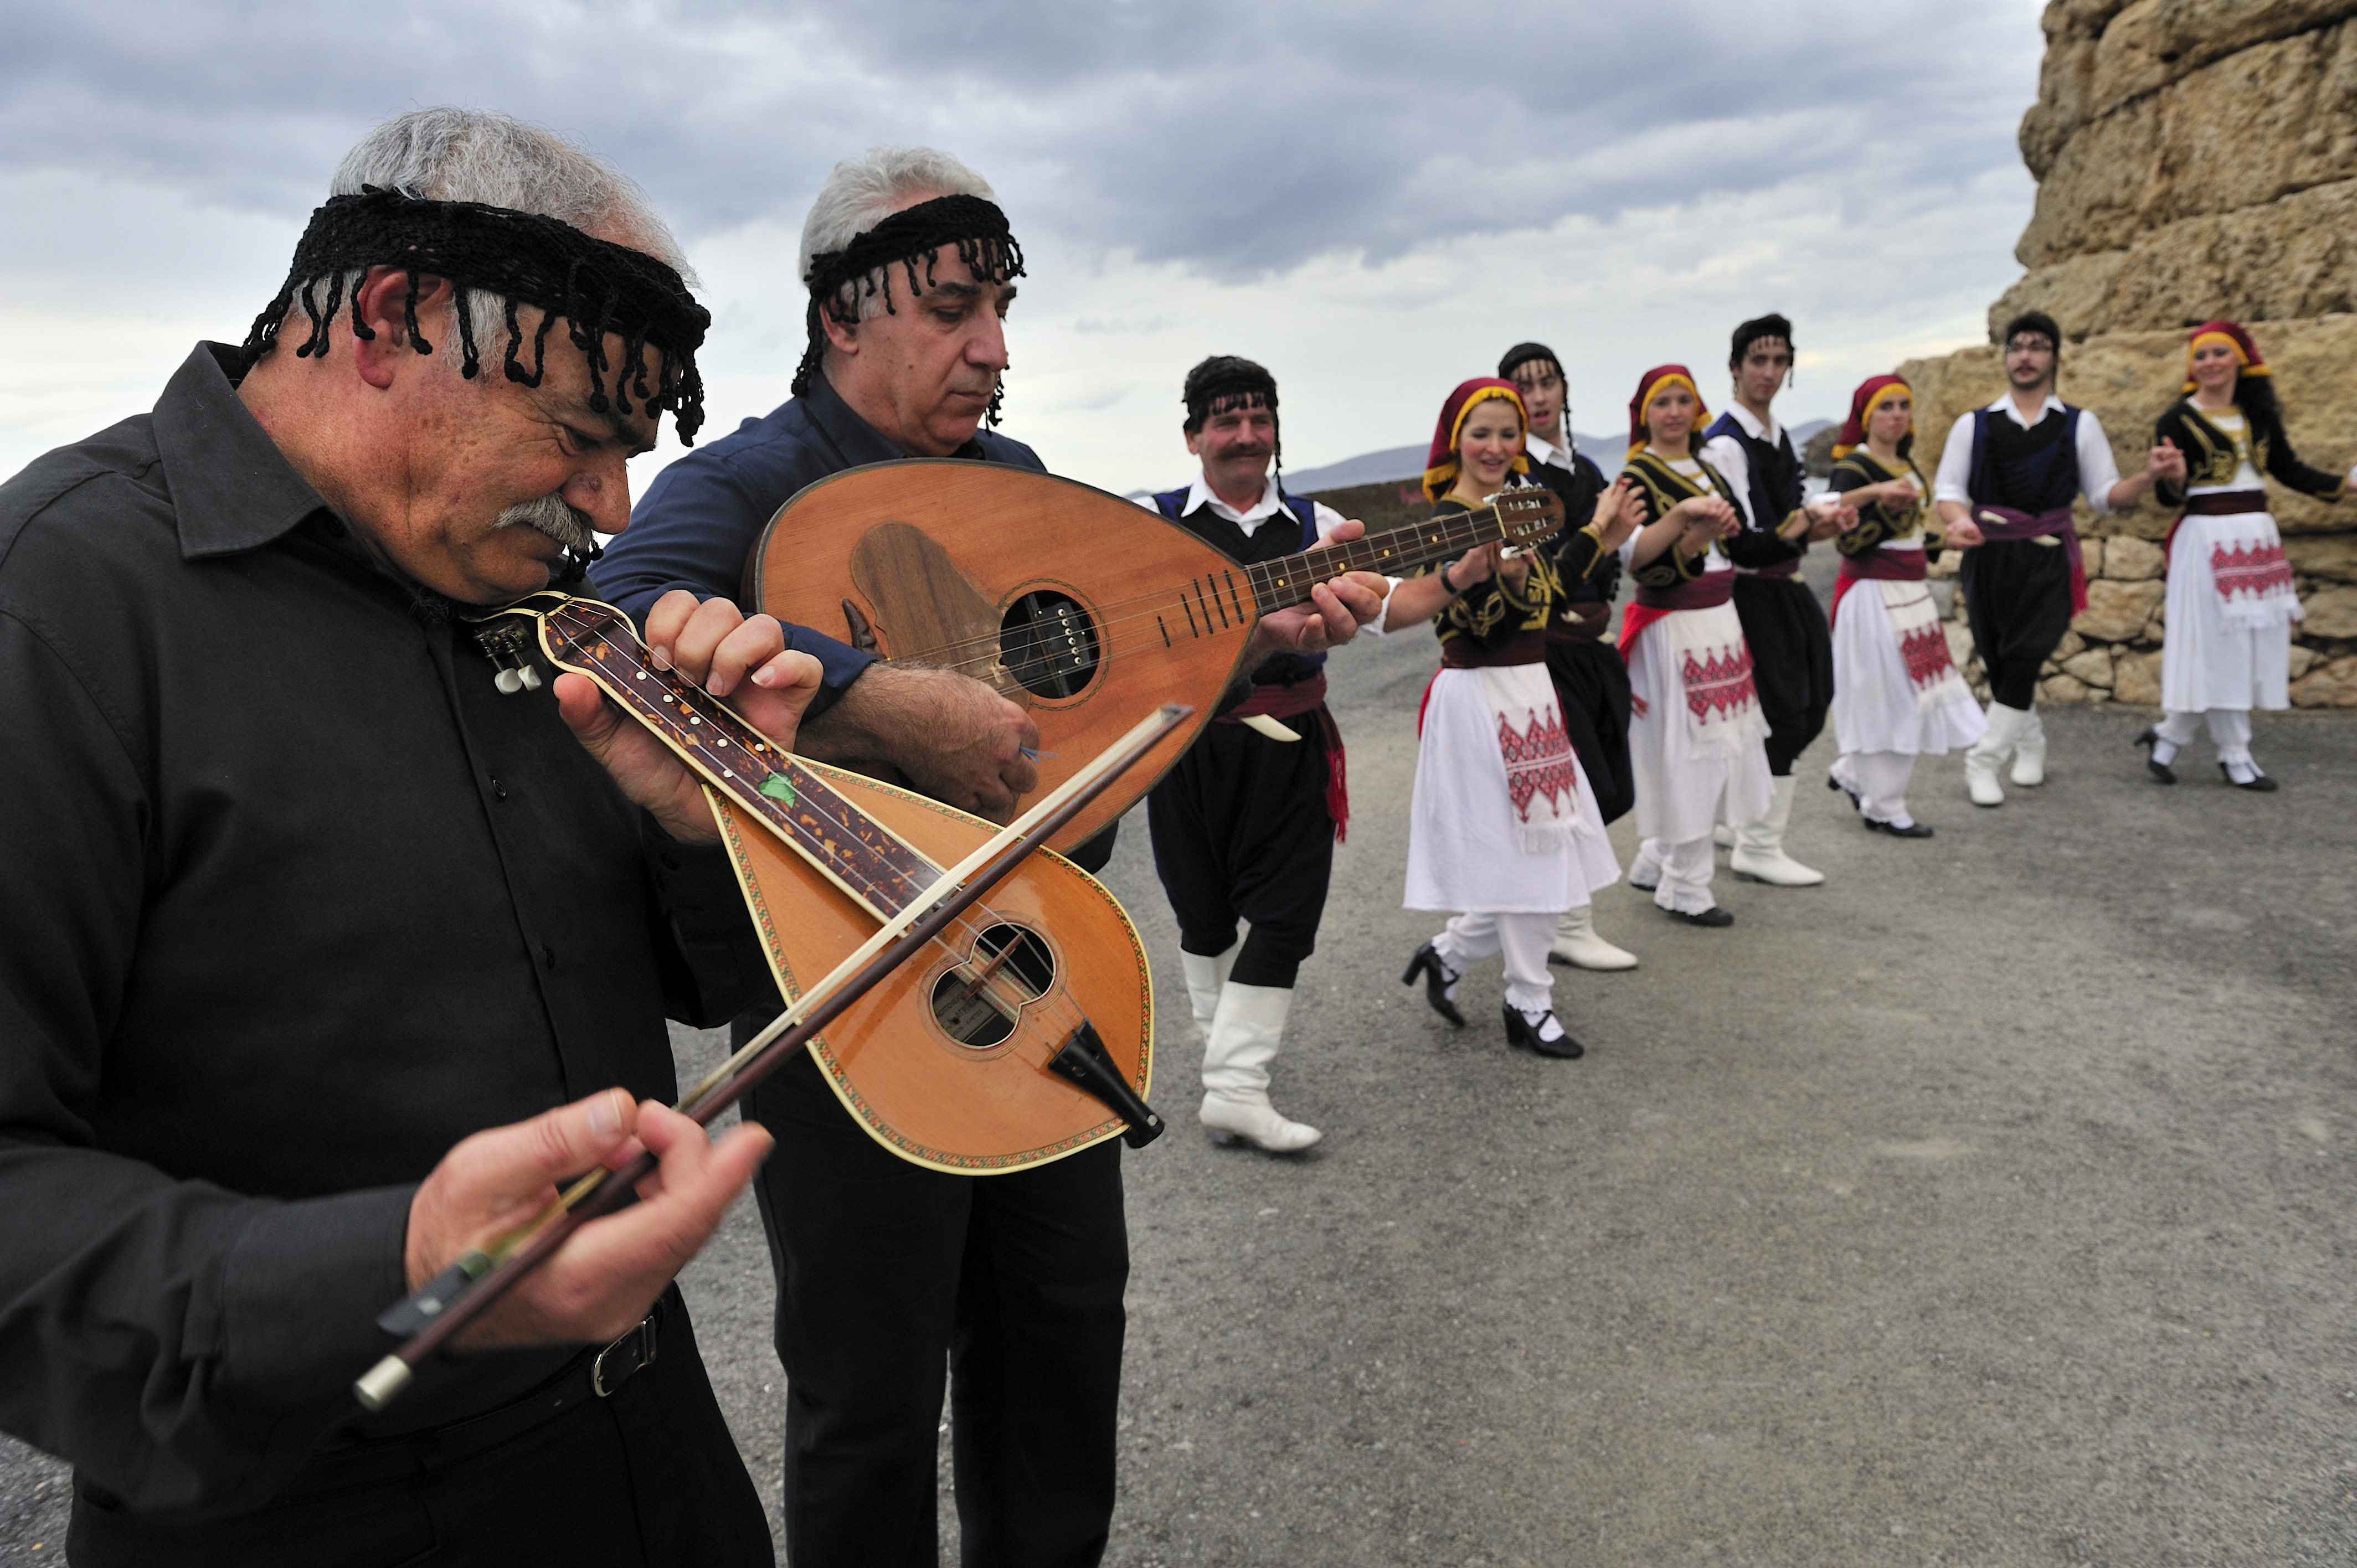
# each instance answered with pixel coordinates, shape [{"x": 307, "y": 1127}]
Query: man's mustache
[{"x": 553, "y": 516}]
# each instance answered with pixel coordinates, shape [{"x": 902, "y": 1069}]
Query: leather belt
[{"x": 594, "y": 1374}]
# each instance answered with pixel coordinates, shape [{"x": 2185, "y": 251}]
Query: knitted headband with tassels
[
  {"x": 973, "y": 225},
  {"x": 598, "y": 287}
]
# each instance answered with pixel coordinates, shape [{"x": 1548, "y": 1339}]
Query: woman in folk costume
[
  {"x": 2231, "y": 604},
  {"x": 1503, "y": 824},
  {"x": 1897, "y": 693},
  {"x": 1696, "y": 732}
]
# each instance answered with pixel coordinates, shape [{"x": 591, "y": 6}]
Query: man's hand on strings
[
  {"x": 744, "y": 662},
  {"x": 1333, "y": 616},
  {"x": 606, "y": 1274}
]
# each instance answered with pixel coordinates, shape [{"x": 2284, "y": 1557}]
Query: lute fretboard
[{"x": 1517, "y": 517}]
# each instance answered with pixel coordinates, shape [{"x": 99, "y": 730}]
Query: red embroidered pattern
[
  {"x": 1538, "y": 762},
  {"x": 1719, "y": 684},
  {"x": 2257, "y": 572},
  {"x": 1926, "y": 653}
]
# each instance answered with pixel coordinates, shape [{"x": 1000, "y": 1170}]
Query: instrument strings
[
  {"x": 1007, "y": 995},
  {"x": 979, "y": 653}
]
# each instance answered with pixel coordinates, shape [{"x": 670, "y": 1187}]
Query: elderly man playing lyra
[
  {"x": 298, "y": 898},
  {"x": 888, "y": 1272}
]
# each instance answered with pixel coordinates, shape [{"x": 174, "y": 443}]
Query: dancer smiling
[
  {"x": 1695, "y": 736},
  {"x": 1504, "y": 825},
  {"x": 1897, "y": 693},
  {"x": 2231, "y": 603}
]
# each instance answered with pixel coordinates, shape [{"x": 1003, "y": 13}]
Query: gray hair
[
  {"x": 480, "y": 155},
  {"x": 862, "y": 192}
]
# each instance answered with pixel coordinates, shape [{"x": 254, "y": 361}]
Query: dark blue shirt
[{"x": 701, "y": 517}]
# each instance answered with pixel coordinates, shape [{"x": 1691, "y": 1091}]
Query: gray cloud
[{"x": 1237, "y": 138}]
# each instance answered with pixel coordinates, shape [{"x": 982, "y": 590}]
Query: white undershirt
[
  {"x": 2098, "y": 472},
  {"x": 1734, "y": 464}
]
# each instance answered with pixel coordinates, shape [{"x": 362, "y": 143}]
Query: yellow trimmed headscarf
[
  {"x": 1649, "y": 383},
  {"x": 1441, "y": 464},
  {"x": 2246, "y": 353}
]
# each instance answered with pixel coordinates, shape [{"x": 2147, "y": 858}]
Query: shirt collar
[
  {"x": 1540, "y": 450},
  {"x": 1199, "y": 493},
  {"x": 2004, "y": 403},
  {"x": 1771, "y": 432},
  {"x": 233, "y": 490},
  {"x": 853, "y": 437}
]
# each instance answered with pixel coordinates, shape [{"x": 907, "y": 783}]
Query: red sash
[{"x": 1278, "y": 701}]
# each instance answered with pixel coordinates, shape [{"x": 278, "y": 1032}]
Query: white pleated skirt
[
  {"x": 2205, "y": 663},
  {"x": 1679, "y": 785},
  {"x": 1874, "y": 700},
  {"x": 1461, "y": 842}
]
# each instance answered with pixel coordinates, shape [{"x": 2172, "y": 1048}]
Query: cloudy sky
[{"x": 1373, "y": 199}]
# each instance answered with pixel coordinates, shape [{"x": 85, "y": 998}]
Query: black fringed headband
[
  {"x": 599, "y": 287},
  {"x": 974, "y": 224}
]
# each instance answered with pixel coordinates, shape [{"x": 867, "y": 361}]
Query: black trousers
[
  {"x": 887, "y": 1274},
  {"x": 1592, "y": 683},
  {"x": 1792, "y": 662},
  {"x": 1240, "y": 832},
  {"x": 2018, "y": 598},
  {"x": 645, "y": 1479}
]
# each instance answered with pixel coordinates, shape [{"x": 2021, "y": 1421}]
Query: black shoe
[
  {"x": 1834, "y": 783},
  {"x": 1437, "y": 978},
  {"x": 1521, "y": 1032},
  {"x": 1642, "y": 887},
  {"x": 2162, "y": 773},
  {"x": 2259, "y": 782},
  {"x": 1713, "y": 917},
  {"x": 1912, "y": 831}
]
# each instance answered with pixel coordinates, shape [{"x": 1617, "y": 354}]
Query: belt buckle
[{"x": 641, "y": 1341}]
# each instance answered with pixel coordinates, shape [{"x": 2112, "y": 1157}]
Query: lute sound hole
[
  {"x": 976, "y": 1002},
  {"x": 1049, "y": 644}
]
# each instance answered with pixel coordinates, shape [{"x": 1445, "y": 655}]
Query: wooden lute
[
  {"x": 1084, "y": 607},
  {"x": 971, "y": 1061}
]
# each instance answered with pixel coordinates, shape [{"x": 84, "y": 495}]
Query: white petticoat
[
  {"x": 1877, "y": 704},
  {"x": 2206, "y": 659},
  {"x": 1462, "y": 827},
  {"x": 1681, "y": 782}
]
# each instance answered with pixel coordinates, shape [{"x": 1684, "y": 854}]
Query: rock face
[{"x": 2195, "y": 159}]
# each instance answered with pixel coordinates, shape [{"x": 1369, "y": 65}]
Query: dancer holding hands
[
  {"x": 1897, "y": 692},
  {"x": 1504, "y": 825},
  {"x": 2231, "y": 603},
  {"x": 1696, "y": 733}
]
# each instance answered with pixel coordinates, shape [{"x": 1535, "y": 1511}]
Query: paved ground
[{"x": 1988, "y": 1205}]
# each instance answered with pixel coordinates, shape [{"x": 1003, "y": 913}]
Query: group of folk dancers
[{"x": 1536, "y": 733}]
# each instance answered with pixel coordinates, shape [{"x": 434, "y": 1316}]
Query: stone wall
[{"x": 2195, "y": 158}]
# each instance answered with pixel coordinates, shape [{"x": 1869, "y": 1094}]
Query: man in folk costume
[
  {"x": 300, "y": 895},
  {"x": 1013, "y": 1280},
  {"x": 2007, "y": 479},
  {"x": 2231, "y": 603},
  {"x": 1897, "y": 693},
  {"x": 1244, "y": 826},
  {"x": 1590, "y": 680},
  {"x": 1792, "y": 647}
]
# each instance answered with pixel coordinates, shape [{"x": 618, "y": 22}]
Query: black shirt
[{"x": 292, "y": 899}]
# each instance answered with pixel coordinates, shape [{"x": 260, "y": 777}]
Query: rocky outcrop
[{"x": 2195, "y": 158}]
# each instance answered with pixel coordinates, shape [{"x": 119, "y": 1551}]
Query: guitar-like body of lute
[
  {"x": 952, "y": 1061},
  {"x": 1086, "y": 608}
]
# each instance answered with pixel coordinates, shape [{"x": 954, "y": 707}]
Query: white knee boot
[
  {"x": 1577, "y": 943},
  {"x": 1205, "y": 976},
  {"x": 1993, "y": 747},
  {"x": 1759, "y": 846},
  {"x": 2029, "y": 752},
  {"x": 1246, "y": 1029}
]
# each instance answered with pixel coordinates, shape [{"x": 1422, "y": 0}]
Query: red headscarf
[
  {"x": 2246, "y": 353},
  {"x": 1441, "y": 464},
  {"x": 1870, "y": 392},
  {"x": 1648, "y": 384}
]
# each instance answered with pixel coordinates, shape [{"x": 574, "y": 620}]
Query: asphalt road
[{"x": 1989, "y": 1205}]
